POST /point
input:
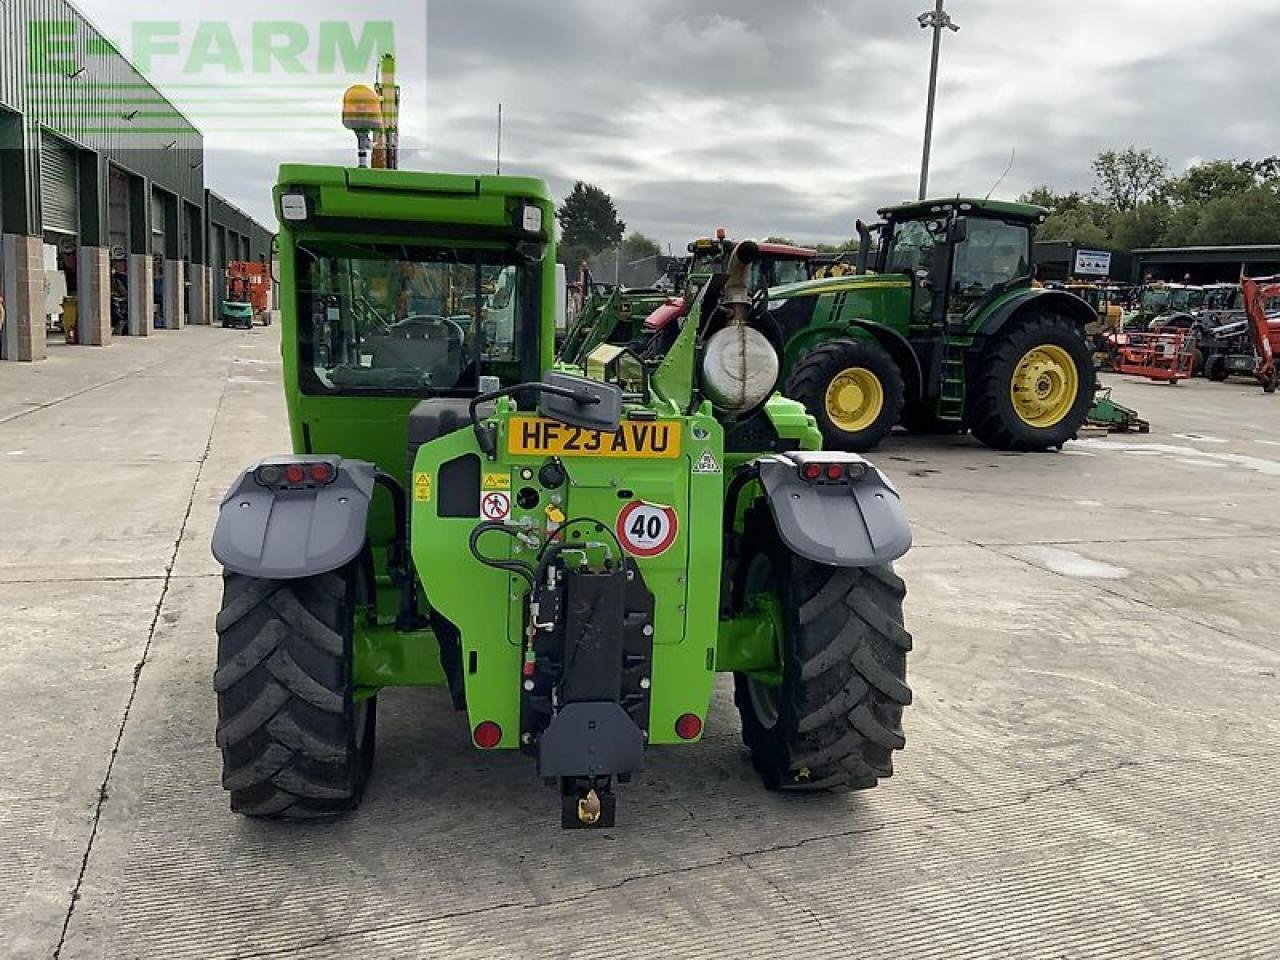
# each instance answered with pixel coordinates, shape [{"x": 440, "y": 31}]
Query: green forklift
[{"x": 572, "y": 559}]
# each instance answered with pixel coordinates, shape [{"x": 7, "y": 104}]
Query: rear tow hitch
[{"x": 587, "y": 803}]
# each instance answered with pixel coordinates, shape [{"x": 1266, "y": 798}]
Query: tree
[
  {"x": 848, "y": 246},
  {"x": 1074, "y": 226},
  {"x": 1045, "y": 196},
  {"x": 638, "y": 247},
  {"x": 1206, "y": 181},
  {"x": 1126, "y": 178},
  {"x": 786, "y": 241},
  {"x": 1140, "y": 226},
  {"x": 588, "y": 219},
  {"x": 1252, "y": 216}
]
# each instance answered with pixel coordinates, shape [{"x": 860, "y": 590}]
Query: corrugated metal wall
[
  {"x": 59, "y": 72},
  {"x": 246, "y": 238}
]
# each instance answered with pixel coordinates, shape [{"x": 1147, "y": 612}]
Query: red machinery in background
[
  {"x": 1265, "y": 334},
  {"x": 1168, "y": 356},
  {"x": 248, "y": 284}
]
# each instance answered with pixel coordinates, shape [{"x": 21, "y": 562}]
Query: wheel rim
[
  {"x": 854, "y": 400},
  {"x": 764, "y": 701},
  {"x": 1045, "y": 385}
]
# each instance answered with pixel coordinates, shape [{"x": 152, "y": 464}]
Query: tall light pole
[{"x": 937, "y": 20}]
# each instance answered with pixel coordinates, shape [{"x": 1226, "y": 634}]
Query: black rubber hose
[{"x": 514, "y": 566}]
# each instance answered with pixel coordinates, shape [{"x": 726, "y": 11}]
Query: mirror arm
[{"x": 486, "y": 435}]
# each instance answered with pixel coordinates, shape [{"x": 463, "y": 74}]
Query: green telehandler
[{"x": 572, "y": 558}]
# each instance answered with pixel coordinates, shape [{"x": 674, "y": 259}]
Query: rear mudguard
[
  {"x": 284, "y": 534},
  {"x": 857, "y": 521}
]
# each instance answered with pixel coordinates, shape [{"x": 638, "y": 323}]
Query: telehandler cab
[{"x": 574, "y": 559}]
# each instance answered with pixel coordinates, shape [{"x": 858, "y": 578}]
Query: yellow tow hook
[{"x": 589, "y": 808}]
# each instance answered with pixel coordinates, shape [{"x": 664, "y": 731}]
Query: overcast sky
[{"x": 766, "y": 116}]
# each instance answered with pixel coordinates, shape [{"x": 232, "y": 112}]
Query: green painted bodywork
[{"x": 487, "y": 605}]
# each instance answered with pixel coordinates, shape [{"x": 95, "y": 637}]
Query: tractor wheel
[
  {"x": 835, "y": 718},
  {"x": 1215, "y": 368},
  {"x": 853, "y": 389},
  {"x": 295, "y": 743},
  {"x": 1033, "y": 385}
]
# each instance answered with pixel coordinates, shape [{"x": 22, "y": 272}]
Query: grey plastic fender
[
  {"x": 284, "y": 534},
  {"x": 854, "y": 522}
]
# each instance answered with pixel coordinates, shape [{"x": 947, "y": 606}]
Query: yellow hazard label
[
  {"x": 496, "y": 481},
  {"x": 554, "y": 514},
  {"x": 422, "y": 487}
]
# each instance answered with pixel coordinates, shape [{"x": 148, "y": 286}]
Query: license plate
[{"x": 648, "y": 439}]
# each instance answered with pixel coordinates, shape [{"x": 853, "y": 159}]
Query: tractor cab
[{"x": 962, "y": 252}]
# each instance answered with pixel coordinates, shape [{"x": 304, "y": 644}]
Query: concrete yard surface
[{"x": 1092, "y": 756}]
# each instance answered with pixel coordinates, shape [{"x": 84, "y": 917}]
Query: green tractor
[
  {"x": 943, "y": 331},
  {"x": 573, "y": 559}
]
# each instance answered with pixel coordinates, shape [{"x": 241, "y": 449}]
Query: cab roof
[
  {"x": 410, "y": 181},
  {"x": 1002, "y": 209}
]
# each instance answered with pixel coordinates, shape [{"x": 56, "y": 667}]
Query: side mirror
[{"x": 580, "y": 402}]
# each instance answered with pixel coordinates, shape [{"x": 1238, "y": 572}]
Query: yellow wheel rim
[
  {"x": 855, "y": 398},
  {"x": 1045, "y": 386}
]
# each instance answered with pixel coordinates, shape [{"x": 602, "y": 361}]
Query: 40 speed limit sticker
[{"x": 646, "y": 529}]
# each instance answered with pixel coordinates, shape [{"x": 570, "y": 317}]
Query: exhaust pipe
[
  {"x": 737, "y": 290},
  {"x": 864, "y": 248}
]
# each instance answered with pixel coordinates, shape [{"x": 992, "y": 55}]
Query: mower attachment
[
  {"x": 294, "y": 516},
  {"x": 835, "y": 508}
]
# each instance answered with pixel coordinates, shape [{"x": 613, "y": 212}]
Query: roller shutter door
[
  {"x": 158, "y": 224},
  {"x": 59, "y": 186}
]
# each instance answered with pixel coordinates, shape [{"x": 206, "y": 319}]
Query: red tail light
[
  {"x": 317, "y": 473},
  {"x": 835, "y": 471},
  {"x": 811, "y": 471},
  {"x": 487, "y": 735},
  {"x": 689, "y": 726}
]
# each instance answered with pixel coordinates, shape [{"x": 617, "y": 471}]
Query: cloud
[{"x": 786, "y": 118}]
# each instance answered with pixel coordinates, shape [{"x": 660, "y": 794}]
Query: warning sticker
[
  {"x": 495, "y": 505},
  {"x": 646, "y": 529},
  {"x": 707, "y": 463},
  {"x": 496, "y": 481},
  {"x": 422, "y": 487}
]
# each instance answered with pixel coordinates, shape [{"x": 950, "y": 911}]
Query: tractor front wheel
[
  {"x": 295, "y": 742},
  {"x": 1033, "y": 385},
  {"x": 853, "y": 389},
  {"x": 832, "y": 716},
  {"x": 1215, "y": 368}
]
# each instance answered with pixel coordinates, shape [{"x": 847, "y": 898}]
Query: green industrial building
[{"x": 104, "y": 213}]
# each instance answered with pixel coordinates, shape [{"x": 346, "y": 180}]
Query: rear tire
[
  {"x": 295, "y": 744},
  {"x": 992, "y": 416},
  {"x": 816, "y": 382},
  {"x": 1215, "y": 368},
  {"x": 836, "y": 719}
]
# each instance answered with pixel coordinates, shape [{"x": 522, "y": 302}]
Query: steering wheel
[{"x": 457, "y": 334}]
